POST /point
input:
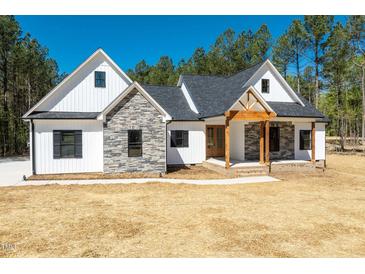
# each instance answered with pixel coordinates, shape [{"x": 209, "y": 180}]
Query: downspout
[{"x": 33, "y": 147}]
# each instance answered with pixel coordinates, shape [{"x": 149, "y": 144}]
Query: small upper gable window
[
  {"x": 100, "y": 79},
  {"x": 265, "y": 85}
]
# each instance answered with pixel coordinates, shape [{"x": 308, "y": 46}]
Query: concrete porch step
[
  {"x": 239, "y": 171},
  {"x": 251, "y": 171}
]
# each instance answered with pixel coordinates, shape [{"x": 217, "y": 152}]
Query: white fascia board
[
  {"x": 144, "y": 93},
  {"x": 259, "y": 96},
  {"x": 179, "y": 82},
  {"x": 110, "y": 60},
  {"x": 281, "y": 78},
  {"x": 185, "y": 91},
  {"x": 92, "y": 56}
]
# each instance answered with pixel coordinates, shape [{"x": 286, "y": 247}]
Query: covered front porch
[{"x": 250, "y": 135}]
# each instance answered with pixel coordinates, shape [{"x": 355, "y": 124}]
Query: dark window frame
[
  {"x": 135, "y": 144},
  {"x": 179, "y": 141},
  {"x": 274, "y": 144},
  {"x": 60, "y": 144},
  {"x": 302, "y": 145},
  {"x": 265, "y": 85},
  {"x": 100, "y": 79}
]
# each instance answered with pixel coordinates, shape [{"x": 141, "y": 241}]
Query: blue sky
[{"x": 129, "y": 39}]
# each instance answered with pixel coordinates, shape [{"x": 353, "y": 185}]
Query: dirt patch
[
  {"x": 193, "y": 172},
  {"x": 317, "y": 215}
]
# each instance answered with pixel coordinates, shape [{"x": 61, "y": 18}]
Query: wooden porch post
[
  {"x": 227, "y": 156},
  {"x": 313, "y": 142},
  {"x": 262, "y": 147},
  {"x": 267, "y": 141}
]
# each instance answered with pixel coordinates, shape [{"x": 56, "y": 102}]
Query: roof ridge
[
  {"x": 204, "y": 75},
  {"x": 258, "y": 63},
  {"x": 225, "y": 76}
]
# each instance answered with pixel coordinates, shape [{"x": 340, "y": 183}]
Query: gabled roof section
[
  {"x": 257, "y": 96},
  {"x": 267, "y": 62},
  {"x": 144, "y": 93},
  {"x": 98, "y": 52},
  {"x": 213, "y": 95}
]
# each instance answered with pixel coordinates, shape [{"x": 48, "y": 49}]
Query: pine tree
[
  {"x": 260, "y": 45},
  {"x": 308, "y": 84},
  {"x": 317, "y": 28},
  {"x": 356, "y": 27},
  {"x": 298, "y": 41},
  {"x": 283, "y": 54},
  {"x": 27, "y": 74},
  {"x": 9, "y": 33},
  {"x": 336, "y": 71}
]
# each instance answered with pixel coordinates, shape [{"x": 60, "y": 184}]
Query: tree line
[
  {"x": 321, "y": 59},
  {"x": 26, "y": 75}
]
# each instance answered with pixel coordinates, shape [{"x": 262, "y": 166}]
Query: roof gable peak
[{"x": 98, "y": 52}]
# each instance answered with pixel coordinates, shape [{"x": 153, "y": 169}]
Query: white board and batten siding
[
  {"x": 237, "y": 140},
  {"x": 193, "y": 154},
  {"x": 92, "y": 147},
  {"x": 79, "y": 93},
  {"x": 320, "y": 141},
  {"x": 277, "y": 91}
]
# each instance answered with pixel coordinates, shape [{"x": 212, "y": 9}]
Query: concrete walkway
[
  {"x": 13, "y": 170},
  {"x": 242, "y": 180}
]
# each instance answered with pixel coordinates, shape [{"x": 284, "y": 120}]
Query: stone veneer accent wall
[
  {"x": 252, "y": 141},
  {"x": 134, "y": 112}
]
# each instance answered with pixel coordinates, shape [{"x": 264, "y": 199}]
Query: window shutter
[
  {"x": 185, "y": 138},
  {"x": 56, "y": 144},
  {"x": 173, "y": 138},
  {"x": 78, "y": 144}
]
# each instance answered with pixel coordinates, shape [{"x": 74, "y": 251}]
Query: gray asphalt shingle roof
[
  {"x": 62, "y": 115},
  {"x": 213, "y": 95},
  {"x": 172, "y": 100}
]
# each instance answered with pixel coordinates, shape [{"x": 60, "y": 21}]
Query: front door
[{"x": 215, "y": 141}]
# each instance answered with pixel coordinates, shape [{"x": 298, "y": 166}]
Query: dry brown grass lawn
[
  {"x": 187, "y": 172},
  {"x": 314, "y": 215}
]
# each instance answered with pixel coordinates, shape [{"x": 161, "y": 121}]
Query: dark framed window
[
  {"x": 265, "y": 85},
  {"x": 305, "y": 140},
  {"x": 274, "y": 139},
  {"x": 67, "y": 144},
  {"x": 179, "y": 138},
  {"x": 100, "y": 79},
  {"x": 134, "y": 143}
]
